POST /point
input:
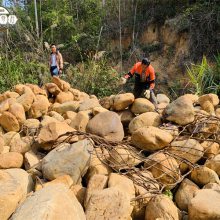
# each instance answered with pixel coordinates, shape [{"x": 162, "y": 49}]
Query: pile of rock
[{"x": 40, "y": 179}]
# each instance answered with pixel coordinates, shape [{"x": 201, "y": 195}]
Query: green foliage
[
  {"x": 197, "y": 75},
  {"x": 205, "y": 78},
  {"x": 202, "y": 21},
  {"x": 75, "y": 24},
  {"x": 168, "y": 193},
  {"x": 15, "y": 70},
  {"x": 94, "y": 77}
]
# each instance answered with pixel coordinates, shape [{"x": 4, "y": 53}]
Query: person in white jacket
[{"x": 55, "y": 61}]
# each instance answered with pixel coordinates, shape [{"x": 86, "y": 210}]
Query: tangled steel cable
[{"x": 155, "y": 171}]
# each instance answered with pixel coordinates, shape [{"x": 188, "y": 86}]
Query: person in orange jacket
[{"x": 144, "y": 79}]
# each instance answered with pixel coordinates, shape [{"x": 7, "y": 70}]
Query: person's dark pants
[
  {"x": 54, "y": 71},
  {"x": 140, "y": 87}
]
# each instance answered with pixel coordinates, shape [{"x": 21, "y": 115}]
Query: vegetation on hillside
[
  {"x": 205, "y": 78},
  {"x": 82, "y": 28}
]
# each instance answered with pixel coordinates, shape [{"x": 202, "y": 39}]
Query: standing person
[
  {"x": 55, "y": 61},
  {"x": 144, "y": 79}
]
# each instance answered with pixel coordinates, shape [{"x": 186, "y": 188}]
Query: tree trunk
[
  {"x": 120, "y": 38},
  {"x": 36, "y": 18}
]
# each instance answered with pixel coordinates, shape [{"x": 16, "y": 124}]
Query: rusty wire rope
[{"x": 203, "y": 128}]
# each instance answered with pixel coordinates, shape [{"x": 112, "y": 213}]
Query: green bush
[
  {"x": 94, "y": 77},
  {"x": 15, "y": 69},
  {"x": 205, "y": 78}
]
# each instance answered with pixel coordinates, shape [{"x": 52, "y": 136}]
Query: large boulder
[
  {"x": 31, "y": 160},
  {"x": 8, "y": 137},
  {"x": 11, "y": 193},
  {"x": 20, "y": 89},
  {"x": 64, "y": 97},
  {"x": 2, "y": 143},
  {"x": 209, "y": 128},
  {"x": 106, "y": 102},
  {"x": 108, "y": 204},
  {"x": 80, "y": 192},
  {"x": 185, "y": 193},
  {"x": 7, "y": 95},
  {"x": 192, "y": 97},
  {"x": 189, "y": 150},
  {"x": 31, "y": 126},
  {"x": 180, "y": 111},
  {"x": 96, "y": 183},
  {"x": 172, "y": 129},
  {"x": 52, "y": 88},
  {"x": 214, "y": 186},
  {"x": 122, "y": 183},
  {"x": 97, "y": 166},
  {"x": 20, "y": 145},
  {"x": 58, "y": 203},
  {"x": 68, "y": 159},
  {"x": 4, "y": 106},
  {"x": 36, "y": 89},
  {"x": 23, "y": 178},
  {"x": 69, "y": 115},
  {"x": 84, "y": 96},
  {"x": 122, "y": 101},
  {"x": 126, "y": 116},
  {"x": 47, "y": 120},
  {"x": 214, "y": 164},
  {"x": 203, "y": 175},
  {"x": 9, "y": 122},
  {"x": 208, "y": 101},
  {"x": 145, "y": 119},
  {"x": 64, "y": 86},
  {"x": 76, "y": 94},
  {"x": 39, "y": 107},
  {"x": 147, "y": 185},
  {"x": 18, "y": 111},
  {"x": 98, "y": 110},
  {"x": 142, "y": 105},
  {"x": 107, "y": 125},
  {"x": 80, "y": 121},
  {"x": 162, "y": 98},
  {"x": 89, "y": 104},
  {"x": 123, "y": 157},
  {"x": 151, "y": 138},
  {"x": 56, "y": 115},
  {"x": 11, "y": 160},
  {"x": 161, "y": 107},
  {"x": 205, "y": 205},
  {"x": 161, "y": 207},
  {"x": 64, "y": 180},
  {"x": 164, "y": 168},
  {"x": 67, "y": 106},
  {"x": 51, "y": 132},
  {"x": 217, "y": 112},
  {"x": 26, "y": 99},
  {"x": 210, "y": 148}
]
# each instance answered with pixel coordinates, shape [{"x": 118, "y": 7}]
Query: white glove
[
  {"x": 123, "y": 81},
  {"x": 147, "y": 94}
]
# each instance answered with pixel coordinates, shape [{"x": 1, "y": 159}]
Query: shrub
[
  {"x": 94, "y": 77},
  {"x": 15, "y": 69},
  {"x": 205, "y": 78}
]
